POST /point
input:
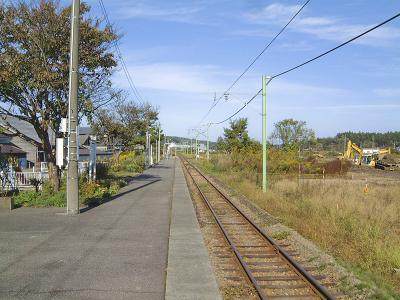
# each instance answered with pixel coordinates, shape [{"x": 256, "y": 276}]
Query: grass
[
  {"x": 281, "y": 235},
  {"x": 123, "y": 173},
  {"x": 360, "y": 229}
]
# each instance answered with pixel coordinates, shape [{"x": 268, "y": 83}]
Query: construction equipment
[
  {"x": 349, "y": 154},
  {"x": 366, "y": 156},
  {"x": 387, "y": 162}
]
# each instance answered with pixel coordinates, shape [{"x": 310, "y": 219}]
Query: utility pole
[
  {"x": 208, "y": 141},
  {"x": 264, "y": 115},
  {"x": 73, "y": 147},
  {"x": 159, "y": 144},
  {"x": 148, "y": 149},
  {"x": 156, "y": 151},
  {"x": 196, "y": 150}
]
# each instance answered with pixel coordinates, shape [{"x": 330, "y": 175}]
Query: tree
[
  {"x": 236, "y": 137},
  {"x": 292, "y": 133},
  {"x": 34, "y": 67},
  {"x": 126, "y": 123}
]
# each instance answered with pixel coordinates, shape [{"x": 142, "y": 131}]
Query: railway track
[{"x": 268, "y": 268}]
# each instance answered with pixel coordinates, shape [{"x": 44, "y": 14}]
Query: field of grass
[{"x": 359, "y": 227}]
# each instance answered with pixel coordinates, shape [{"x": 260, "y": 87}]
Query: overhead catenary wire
[
  {"x": 215, "y": 103},
  {"x": 307, "y": 62},
  {"x": 132, "y": 85}
]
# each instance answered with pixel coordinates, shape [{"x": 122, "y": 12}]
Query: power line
[
  {"x": 254, "y": 60},
  {"x": 337, "y": 47},
  {"x": 240, "y": 109},
  {"x": 119, "y": 55},
  {"x": 309, "y": 61}
]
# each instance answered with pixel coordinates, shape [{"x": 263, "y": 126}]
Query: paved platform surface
[
  {"x": 118, "y": 250},
  {"x": 189, "y": 273}
]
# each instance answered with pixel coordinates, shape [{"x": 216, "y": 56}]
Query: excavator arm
[{"x": 351, "y": 147}]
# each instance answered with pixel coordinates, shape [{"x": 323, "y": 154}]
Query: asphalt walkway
[{"x": 118, "y": 250}]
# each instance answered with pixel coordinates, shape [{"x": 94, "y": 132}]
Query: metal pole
[
  {"x": 159, "y": 144},
  {"x": 264, "y": 115},
  {"x": 196, "y": 150},
  {"x": 208, "y": 141},
  {"x": 72, "y": 175},
  {"x": 156, "y": 150},
  {"x": 147, "y": 149}
]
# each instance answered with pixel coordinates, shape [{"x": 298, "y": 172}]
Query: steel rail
[
  {"x": 246, "y": 268},
  {"x": 320, "y": 290}
]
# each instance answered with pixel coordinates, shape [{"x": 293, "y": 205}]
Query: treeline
[{"x": 363, "y": 139}]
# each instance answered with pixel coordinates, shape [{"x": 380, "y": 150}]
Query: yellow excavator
[
  {"x": 353, "y": 152},
  {"x": 366, "y": 156}
]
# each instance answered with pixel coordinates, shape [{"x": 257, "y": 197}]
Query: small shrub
[{"x": 128, "y": 161}]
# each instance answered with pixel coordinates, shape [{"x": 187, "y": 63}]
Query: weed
[{"x": 281, "y": 235}]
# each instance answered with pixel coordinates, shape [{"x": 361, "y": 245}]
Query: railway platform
[{"x": 145, "y": 243}]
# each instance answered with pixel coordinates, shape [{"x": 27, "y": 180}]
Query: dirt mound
[
  {"x": 390, "y": 159},
  {"x": 337, "y": 166}
]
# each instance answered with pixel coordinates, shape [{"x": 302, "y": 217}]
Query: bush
[
  {"x": 33, "y": 199},
  {"x": 128, "y": 161},
  {"x": 91, "y": 193}
]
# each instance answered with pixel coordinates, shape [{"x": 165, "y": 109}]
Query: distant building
[
  {"x": 202, "y": 148},
  {"x": 86, "y": 135}
]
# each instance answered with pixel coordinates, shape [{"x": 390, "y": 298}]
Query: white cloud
[
  {"x": 203, "y": 79},
  {"x": 316, "y": 21},
  {"x": 388, "y": 92},
  {"x": 327, "y": 28},
  {"x": 184, "y": 14},
  {"x": 275, "y": 12}
]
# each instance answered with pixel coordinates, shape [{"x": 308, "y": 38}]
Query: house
[
  {"x": 9, "y": 150},
  {"x": 86, "y": 135},
  {"x": 19, "y": 139},
  {"x": 20, "y": 136}
]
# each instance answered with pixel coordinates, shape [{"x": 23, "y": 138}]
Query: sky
[{"x": 181, "y": 53}]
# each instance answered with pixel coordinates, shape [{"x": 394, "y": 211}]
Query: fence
[{"x": 21, "y": 180}]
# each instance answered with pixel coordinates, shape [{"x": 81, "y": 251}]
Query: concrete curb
[{"x": 189, "y": 273}]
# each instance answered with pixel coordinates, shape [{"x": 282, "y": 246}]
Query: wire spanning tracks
[{"x": 269, "y": 268}]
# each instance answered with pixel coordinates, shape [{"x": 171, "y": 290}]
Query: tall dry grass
[{"x": 358, "y": 226}]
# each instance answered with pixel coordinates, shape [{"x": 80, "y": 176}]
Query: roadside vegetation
[
  {"x": 356, "y": 223},
  {"x": 111, "y": 177}
]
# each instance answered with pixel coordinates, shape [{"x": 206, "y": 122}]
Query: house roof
[
  {"x": 83, "y": 139},
  {"x": 11, "y": 124},
  {"x": 85, "y": 131},
  {"x": 10, "y": 149}
]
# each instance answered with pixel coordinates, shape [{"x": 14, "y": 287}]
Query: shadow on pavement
[{"x": 150, "y": 179}]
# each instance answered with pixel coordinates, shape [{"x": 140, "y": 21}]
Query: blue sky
[{"x": 180, "y": 53}]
